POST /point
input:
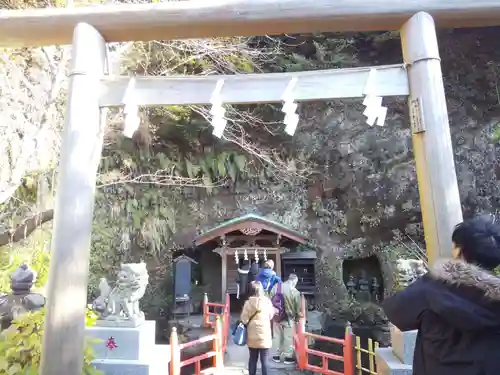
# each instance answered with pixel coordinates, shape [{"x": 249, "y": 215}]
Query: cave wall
[
  {"x": 362, "y": 198},
  {"x": 367, "y": 191}
]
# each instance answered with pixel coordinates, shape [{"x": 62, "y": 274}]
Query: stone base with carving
[
  {"x": 132, "y": 322},
  {"x": 398, "y": 359},
  {"x": 129, "y": 350}
]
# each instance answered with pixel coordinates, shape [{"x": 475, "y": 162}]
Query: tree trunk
[{"x": 26, "y": 228}]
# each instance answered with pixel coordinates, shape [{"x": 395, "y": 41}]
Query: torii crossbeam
[
  {"x": 204, "y": 19},
  {"x": 90, "y": 28}
]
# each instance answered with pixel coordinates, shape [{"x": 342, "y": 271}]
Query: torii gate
[{"x": 90, "y": 89}]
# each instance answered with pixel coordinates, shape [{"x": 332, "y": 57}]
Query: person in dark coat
[
  {"x": 254, "y": 271},
  {"x": 242, "y": 280},
  {"x": 456, "y": 306},
  {"x": 246, "y": 274}
]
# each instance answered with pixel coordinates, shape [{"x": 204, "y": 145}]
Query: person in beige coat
[{"x": 257, "y": 314}]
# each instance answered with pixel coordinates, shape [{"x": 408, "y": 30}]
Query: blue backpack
[{"x": 240, "y": 331}]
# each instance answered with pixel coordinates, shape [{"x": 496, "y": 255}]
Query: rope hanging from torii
[
  {"x": 375, "y": 113},
  {"x": 245, "y": 255}
]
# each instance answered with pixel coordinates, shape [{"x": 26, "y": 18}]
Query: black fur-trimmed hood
[
  {"x": 459, "y": 273},
  {"x": 465, "y": 296},
  {"x": 452, "y": 298}
]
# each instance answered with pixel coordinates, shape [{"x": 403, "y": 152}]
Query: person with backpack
[
  {"x": 456, "y": 306},
  {"x": 256, "y": 314},
  {"x": 286, "y": 300},
  {"x": 267, "y": 277}
]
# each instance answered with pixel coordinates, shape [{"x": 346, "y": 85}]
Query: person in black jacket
[
  {"x": 246, "y": 274},
  {"x": 242, "y": 280},
  {"x": 456, "y": 306},
  {"x": 254, "y": 271}
]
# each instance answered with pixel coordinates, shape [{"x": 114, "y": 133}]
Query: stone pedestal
[
  {"x": 129, "y": 350},
  {"x": 398, "y": 359}
]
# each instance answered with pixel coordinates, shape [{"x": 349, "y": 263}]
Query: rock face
[
  {"x": 360, "y": 198},
  {"x": 365, "y": 199}
]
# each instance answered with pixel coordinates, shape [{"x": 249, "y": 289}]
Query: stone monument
[
  {"x": 126, "y": 339},
  {"x": 398, "y": 359},
  {"x": 363, "y": 294},
  {"x": 376, "y": 296},
  {"x": 119, "y": 306},
  {"x": 21, "y": 300},
  {"x": 351, "y": 286}
]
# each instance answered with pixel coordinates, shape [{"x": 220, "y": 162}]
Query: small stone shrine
[
  {"x": 183, "y": 285},
  {"x": 21, "y": 300},
  {"x": 363, "y": 279},
  {"x": 126, "y": 340}
]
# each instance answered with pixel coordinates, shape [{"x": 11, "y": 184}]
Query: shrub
[{"x": 21, "y": 344}]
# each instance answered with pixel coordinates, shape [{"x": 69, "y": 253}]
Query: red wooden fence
[
  {"x": 301, "y": 342},
  {"x": 209, "y": 317},
  {"x": 220, "y": 321},
  {"x": 216, "y": 353}
]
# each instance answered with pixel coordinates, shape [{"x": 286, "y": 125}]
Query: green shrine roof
[{"x": 250, "y": 221}]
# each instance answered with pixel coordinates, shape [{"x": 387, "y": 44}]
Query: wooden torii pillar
[
  {"x": 63, "y": 339},
  {"x": 437, "y": 179}
]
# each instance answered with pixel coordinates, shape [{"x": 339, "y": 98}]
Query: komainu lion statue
[{"x": 121, "y": 303}]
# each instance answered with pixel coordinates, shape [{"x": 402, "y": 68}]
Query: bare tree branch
[{"x": 23, "y": 230}]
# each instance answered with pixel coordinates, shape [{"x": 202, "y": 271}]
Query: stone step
[
  {"x": 120, "y": 366},
  {"x": 389, "y": 364},
  {"x": 285, "y": 370},
  {"x": 236, "y": 361},
  {"x": 233, "y": 370},
  {"x": 156, "y": 363},
  {"x": 233, "y": 360},
  {"x": 403, "y": 344}
]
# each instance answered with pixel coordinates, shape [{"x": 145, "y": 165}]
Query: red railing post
[
  {"x": 305, "y": 344},
  {"x": 301, "y": 339},
  {"x": 349, "y": 364},
  {"x": 227, "y": 320},
  {"x": 301, "y": 344},
  {"x": 217, "y": 345},
  {"x": 175, "y": 353},
  {"x": 205, "y": 310}
]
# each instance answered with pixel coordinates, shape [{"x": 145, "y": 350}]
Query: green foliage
[
  {"x": 496, "y": 133},
  {"x": 145, "y": 216},
  {"x": 21, "y": 346},
  {"x": 90, "y": 318},
  {"x": 31, "y": 252},
  {"x": 214, "y": 168},
  {"x": 496, "y": 271}
]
